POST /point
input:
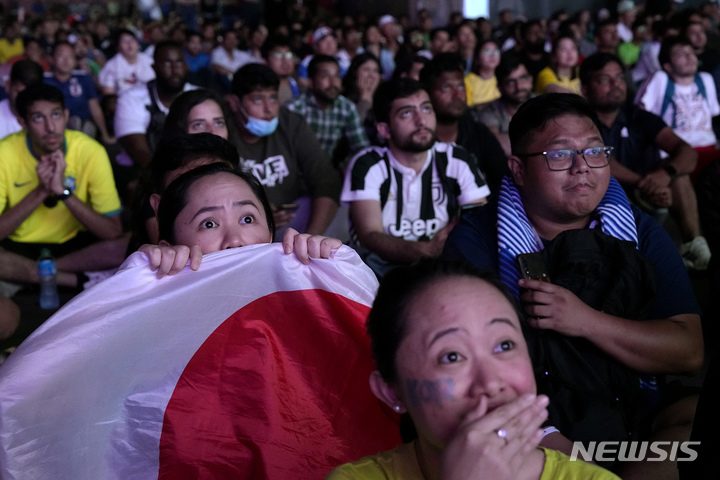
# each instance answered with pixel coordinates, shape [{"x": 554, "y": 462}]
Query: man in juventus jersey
[{"x": 405, "y": 198}]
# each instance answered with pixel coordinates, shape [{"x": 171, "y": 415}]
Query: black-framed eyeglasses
[{"x": 564, "y": 159}]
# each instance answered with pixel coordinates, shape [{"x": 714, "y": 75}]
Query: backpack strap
[{"x": 670, "y": 92}]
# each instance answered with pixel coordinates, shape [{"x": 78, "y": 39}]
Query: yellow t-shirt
[
  {"x": 480, "y": 90},
  {"x": 88, "y": 174},
  {"x": 547, "y": 76},
  {"x": 401, "y": 464},
  {"x": 8, "y": 50}
]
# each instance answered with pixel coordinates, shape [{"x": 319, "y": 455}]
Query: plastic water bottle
[{"x": 48, "y": 287}]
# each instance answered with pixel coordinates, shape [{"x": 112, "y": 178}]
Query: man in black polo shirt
[
  {"x": 639, "y": 137},
  {"x": 442, "y": 78}
]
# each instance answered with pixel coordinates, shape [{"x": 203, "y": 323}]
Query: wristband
[
  {"x": 548, "y": 430},
  {"x": 67, "y": 193}
]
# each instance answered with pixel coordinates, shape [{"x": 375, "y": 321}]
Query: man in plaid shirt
[{"x": 330, "y": 115}]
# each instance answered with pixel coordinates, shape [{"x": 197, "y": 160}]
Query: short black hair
[
  {"x": 525, "y": 26},
  {"x": 441, "y": 63},
  {"x": 253, "y": 76},
  {"x": 388, "y": 92},
  {"x": 26, "y": 72},
  {"x": 668, "y": 44},
  {"x": 317, "y": 60},
  {"x": 405, "y": 61},
  {"x": 534, "y": 114},
  {"x": 35, "y": 93},
  {"x": 274, "y": 42},
  {"x": 174, "y": 199},
  {"x": 173, "y": 152},
  {"x": 399, "y": 288},
  {"x": 604, "y": 23},
  {"x": 437, "y": 30},
  {"x": 164, "y": 45},
  {"x": 61, "y": 44},
  {"x": 507, "y": 65},
  {"x": 119, "y": 33},
  {"x": 189, "y": 33},
  {"x": 595, "y": 62}
]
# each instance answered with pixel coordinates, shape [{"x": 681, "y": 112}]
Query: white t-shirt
[
  {"x": 416, "y": 206},
  {"x": 239, "y": 58},
  {"x": 132, "y": 115},
  {"x": 8, "y": 121},
  {"x": 689, "y": 114},
  {"x": 119, "y": 75}
]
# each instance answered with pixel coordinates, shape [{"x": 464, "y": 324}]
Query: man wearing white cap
[
  {"x": 626, "y": 17},
  {"x": 324, "y": 42},
  {"x": 390, "y": 31}
]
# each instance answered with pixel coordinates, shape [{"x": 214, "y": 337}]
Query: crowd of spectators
[{"x": 380, "y": 132}]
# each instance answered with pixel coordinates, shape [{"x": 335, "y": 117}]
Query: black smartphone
[{"x": 532, "y": 266}]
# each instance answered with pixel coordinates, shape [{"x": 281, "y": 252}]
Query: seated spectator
[
  {"x": 515, "y": 85},
  {"x": 638, "y": 137},
  {"x": 373, "y": 44},
  {"x": 629, "y": 52},
  {"x": 214, "y": 207},
  {"x": 684, "y": 98},
  {"x": 141, "y": 111},
  {"x": 283, "y": 153},
  {"x": 127, "y": 68},
  {"x": 23, "y": 74},
  {"x": 194, "y": 56},
  {"x": 404, "y": 199},
  {"x": 408, "y": 65},
  {"x": 324, "y": 42},
  {"x": 626, "y": 17},
  {"x": 281, "y": 60},
  {"x": 561, "y": 75},
  {"x": 450, "y": 355},
  {"x": 648, "y": 62},
  {"x": 330, "y": 115},
  {"x": 390, "y": 32},
  {"x": 481, "y": 85},
  {"x": 34, "y": 52},
  {"x": 530, "y": 49},
  {"x": 708, "y": 57},
  {"x": 607, "y": 39},
  {"x": 196, "y": 111},
  {"x": 588, "y": 346},
  {"x": 456, "y": 122},
  {"x": 58, "y": 193},
  {"x": 226, "y": 59},
  {"x": 81, "y": 98},
  {"x": 351, "y": 46},
  {"x": 466, "y": 40},
  {"x": 11, "y": 45},
  {"x": 256, "y": 40},
  {"x": 361, "y": 81},
  {"x": 439, "y": 42}
]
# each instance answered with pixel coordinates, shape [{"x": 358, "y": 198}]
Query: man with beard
[
  {"x": 405, "y": 198},
  {"x": 141, "y": 111},
  {"x": 456, "y": 122},
  {"x": 531, "y": 48},
  {"x": 57, "y": 192},
  {"x": 330, "y": 115},
  {"x": 638, "y": 137},
  {"x": 515, "y": 85}
]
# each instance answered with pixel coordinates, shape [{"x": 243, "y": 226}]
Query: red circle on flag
[{"x": 278, "y": 390}]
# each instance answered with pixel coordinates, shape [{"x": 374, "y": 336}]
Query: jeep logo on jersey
[
  {"x": 416, "y": 228},
  {"x": 271, "y": 172}
]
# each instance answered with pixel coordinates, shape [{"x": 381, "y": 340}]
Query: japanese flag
[{"x": 255, "y": 366}]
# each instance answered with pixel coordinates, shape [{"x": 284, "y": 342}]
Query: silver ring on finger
[{"x": 502, "y": 434}]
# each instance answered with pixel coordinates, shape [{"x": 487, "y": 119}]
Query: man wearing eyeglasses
[
  {"x": 639, "y": 137},
  {"x": 515, "y": 85},
  {"x": 612, "y": 307},
  {"x": 281, "y": 60}
]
